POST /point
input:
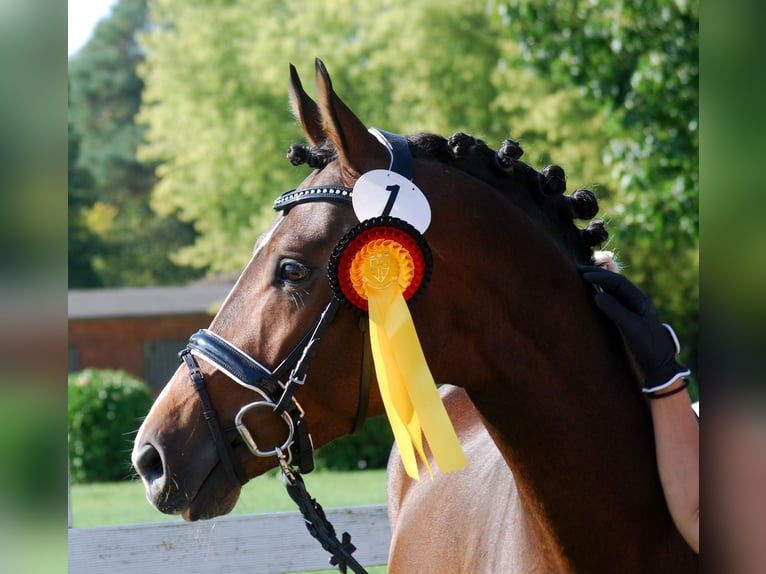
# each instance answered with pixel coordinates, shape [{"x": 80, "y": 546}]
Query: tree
[
  {"x": 215, "y": 103},
  {"x": 105, "y": 97},
  {"x": 83, "y": 243},
  {"x": 639, "y": 62}
]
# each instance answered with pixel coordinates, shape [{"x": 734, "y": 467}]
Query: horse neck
[
  {"x": 552, "y": 382},
  {"x": 578, "y": 441}
]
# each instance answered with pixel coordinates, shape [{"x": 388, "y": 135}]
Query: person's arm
[
  {"x": 676, "y": 434},
  {"x": 676, "y": 430}
]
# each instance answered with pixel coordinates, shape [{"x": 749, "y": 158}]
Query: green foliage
[
  {"x": 105, "y": 97},
  {"x": 106, "y": 94},
  {"x": 104, "y": 410},
  {"x": 553, "y": 126},
  {"x": 83, "y": 243},
  {"x": 639, "y": 63},
  {"x": 368, "y": 449},
  {"x": 216, "y": 106}
]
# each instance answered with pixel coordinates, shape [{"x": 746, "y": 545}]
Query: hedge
[
  {"x": 368, "y": 449},
  {"x": 104, "y": 412}
]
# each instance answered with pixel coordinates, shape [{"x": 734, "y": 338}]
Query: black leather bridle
[{"x": 276, "y": 388}]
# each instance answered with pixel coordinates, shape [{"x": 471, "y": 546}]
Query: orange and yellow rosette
[{"x": 379, "y": 269}]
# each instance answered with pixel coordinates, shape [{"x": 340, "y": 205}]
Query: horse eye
[{"x": 293, "y": 271}]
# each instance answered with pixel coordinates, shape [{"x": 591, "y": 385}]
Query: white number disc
[{"x": 380, "y": 190}]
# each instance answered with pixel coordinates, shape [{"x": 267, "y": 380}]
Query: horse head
[{"x": 282, "y": 357}]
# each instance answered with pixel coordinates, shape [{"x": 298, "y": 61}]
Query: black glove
[{"x": 653, "y": 344}]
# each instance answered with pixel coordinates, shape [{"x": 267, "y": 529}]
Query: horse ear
[
  {"x": 358, "y": 150},
  {"x": 305, "y": 109}
]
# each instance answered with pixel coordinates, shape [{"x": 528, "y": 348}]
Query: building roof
[{"x": 193, "y": 299}]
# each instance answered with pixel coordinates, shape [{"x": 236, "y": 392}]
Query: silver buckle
[
  {"x": 250, "y": 441},
  {"x": 296, "y": 380}
]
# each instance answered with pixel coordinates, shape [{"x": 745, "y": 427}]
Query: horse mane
[{"x": 541, "y": 192}]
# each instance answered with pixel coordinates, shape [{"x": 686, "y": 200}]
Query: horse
[{"x": 505, "y": 317}]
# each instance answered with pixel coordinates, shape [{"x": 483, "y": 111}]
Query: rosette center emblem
[{"x": 381, "y": 270}]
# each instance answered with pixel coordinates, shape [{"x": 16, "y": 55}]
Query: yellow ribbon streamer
[{"x": 408, "y": 390}]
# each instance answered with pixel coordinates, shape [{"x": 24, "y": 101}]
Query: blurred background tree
[
  {"x": 638, "y": 61},
  {"x": 212, "y": 71},
  {"x": 605, "y": 88},
  {"x": 83, "y": 244},
  {"x": 105, "y": 95}
]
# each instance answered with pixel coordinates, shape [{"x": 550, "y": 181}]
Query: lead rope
[{"x": 316, "y": 522}]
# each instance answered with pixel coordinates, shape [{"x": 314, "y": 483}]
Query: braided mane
[{"x": 540, "y": 194}]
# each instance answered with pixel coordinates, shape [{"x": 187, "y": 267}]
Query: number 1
[{"x": 394, "y": 189}]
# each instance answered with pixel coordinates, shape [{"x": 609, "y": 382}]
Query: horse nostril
[{"x": 148, "y": 464}]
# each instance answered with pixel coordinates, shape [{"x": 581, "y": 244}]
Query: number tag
[{"x": 382, "y": 192}]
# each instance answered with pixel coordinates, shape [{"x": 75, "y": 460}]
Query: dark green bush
[
  {"x": 368, "y": 449},
  {"x": 105, "y": 410}
]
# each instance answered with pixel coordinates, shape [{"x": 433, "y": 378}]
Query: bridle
[{"x": 276, "y": 389}]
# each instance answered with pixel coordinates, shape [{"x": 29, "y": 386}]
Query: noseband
[{"x": 276, "y": 389}]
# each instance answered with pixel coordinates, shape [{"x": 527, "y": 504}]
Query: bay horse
[{"x": 505, "y": 316}]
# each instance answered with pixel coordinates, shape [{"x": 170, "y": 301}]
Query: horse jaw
[
  {"x": 194, "y": 486},
  {"x": 215, "y": 497}
]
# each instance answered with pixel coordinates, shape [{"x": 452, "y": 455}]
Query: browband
[
  {"x": 401, "y": 162},
  {"x": 317, "y": 193}
]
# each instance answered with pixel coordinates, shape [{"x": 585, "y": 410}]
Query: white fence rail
[{"x": 257, "y": 544}]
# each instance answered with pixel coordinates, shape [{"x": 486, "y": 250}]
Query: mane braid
[
  {"x": 317, "y": 157},
  {"x": 503, "y": 170}
]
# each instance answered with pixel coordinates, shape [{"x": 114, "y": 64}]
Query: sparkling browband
[{"x": 318, "y": 193}]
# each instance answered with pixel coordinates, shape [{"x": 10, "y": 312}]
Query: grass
[
  {"x": 114, "y": 503},
  {"x": 107, "y": 504}
]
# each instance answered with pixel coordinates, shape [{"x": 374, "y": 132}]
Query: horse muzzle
[{"x": 196, "y": 487}]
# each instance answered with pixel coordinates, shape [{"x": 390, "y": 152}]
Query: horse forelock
[{"x": 539, "y": 193}]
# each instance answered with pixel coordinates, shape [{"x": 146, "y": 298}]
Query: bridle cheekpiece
[{"x": 276, "y": 388}]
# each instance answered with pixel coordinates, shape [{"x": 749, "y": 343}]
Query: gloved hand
[{"x": 653, "y": 344}]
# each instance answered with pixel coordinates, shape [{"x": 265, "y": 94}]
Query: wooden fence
[{"x": 255, "y": 544}]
